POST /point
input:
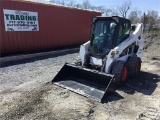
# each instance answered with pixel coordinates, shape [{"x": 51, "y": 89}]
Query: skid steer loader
[{"x": 111, "y": 56}]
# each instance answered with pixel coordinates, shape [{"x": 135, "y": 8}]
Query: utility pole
[{"x": 144, "y": 21}]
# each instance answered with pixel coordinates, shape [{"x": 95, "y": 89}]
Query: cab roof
[{"x": 117, "y": 19}]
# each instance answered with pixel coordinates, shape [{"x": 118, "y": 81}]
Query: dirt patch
[
  {"x": 21, "y": 104},
  {"x": 47, "y": 101},
  {"x": 26, "y": 91}
]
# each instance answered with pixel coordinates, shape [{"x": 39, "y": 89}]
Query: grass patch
[{"x": 153, "y": 32}]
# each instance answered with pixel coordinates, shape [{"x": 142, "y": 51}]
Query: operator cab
[{"x": 108, "y": 32}]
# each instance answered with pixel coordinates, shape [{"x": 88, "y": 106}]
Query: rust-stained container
[{"x": 59, "y": 26}]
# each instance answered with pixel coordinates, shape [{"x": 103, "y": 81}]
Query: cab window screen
[{"x": 124, "y": 32}]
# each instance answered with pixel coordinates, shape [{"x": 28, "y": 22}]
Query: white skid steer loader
[{"x": 111, "y": 56}]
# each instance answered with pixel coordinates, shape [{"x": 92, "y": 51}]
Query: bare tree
[
  {"x": 144, "y": 19},
  {"x": 53, "y": 1},
  {"x": 72, "y": 3},
  {"x": 105, "y": 11},
  {"x": 86, "y": 4},
  {"x": 78, "y": 6},
  {"x": 152, "y": 17},
  {"x": 135, "y": 16},
  {"x": 123, "y": 9},
  {"x": 61, "y": 2}
]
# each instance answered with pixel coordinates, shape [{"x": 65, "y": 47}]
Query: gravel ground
[{"x": 26, "y": 91}]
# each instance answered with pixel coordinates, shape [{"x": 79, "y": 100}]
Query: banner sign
[{"x": 16, "y": 20}]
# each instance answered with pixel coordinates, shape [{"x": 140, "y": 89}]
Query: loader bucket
[{"x": 84, "y": 81}]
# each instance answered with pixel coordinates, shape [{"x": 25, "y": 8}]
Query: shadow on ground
[
  {"x": 145, "y": 83},
  {"x": 28, "y": 60}
]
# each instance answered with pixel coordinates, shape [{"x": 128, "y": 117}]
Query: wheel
[
  {"x": 134, "y": 66},
  {"x": 120, "y": 71}
]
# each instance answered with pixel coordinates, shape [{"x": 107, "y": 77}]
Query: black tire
[
  {"x": 134, "y": 66},
  {"x": 118, "y": 71}
]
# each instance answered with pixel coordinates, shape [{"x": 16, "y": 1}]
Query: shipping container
[{"x": 29, "y": 26}]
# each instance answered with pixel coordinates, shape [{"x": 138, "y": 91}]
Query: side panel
[
  {"x": 133, "y": 39},
  {"x": 84, "y": 51}
]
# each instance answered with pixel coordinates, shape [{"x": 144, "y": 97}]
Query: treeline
[
  {"x": 126, "y": 10},
  {"x": 85, "y": 5}
]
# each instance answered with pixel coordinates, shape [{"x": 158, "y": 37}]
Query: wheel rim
[
  {"x": 137, "y": 68},
  {"x": 124, "y": 73}
]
